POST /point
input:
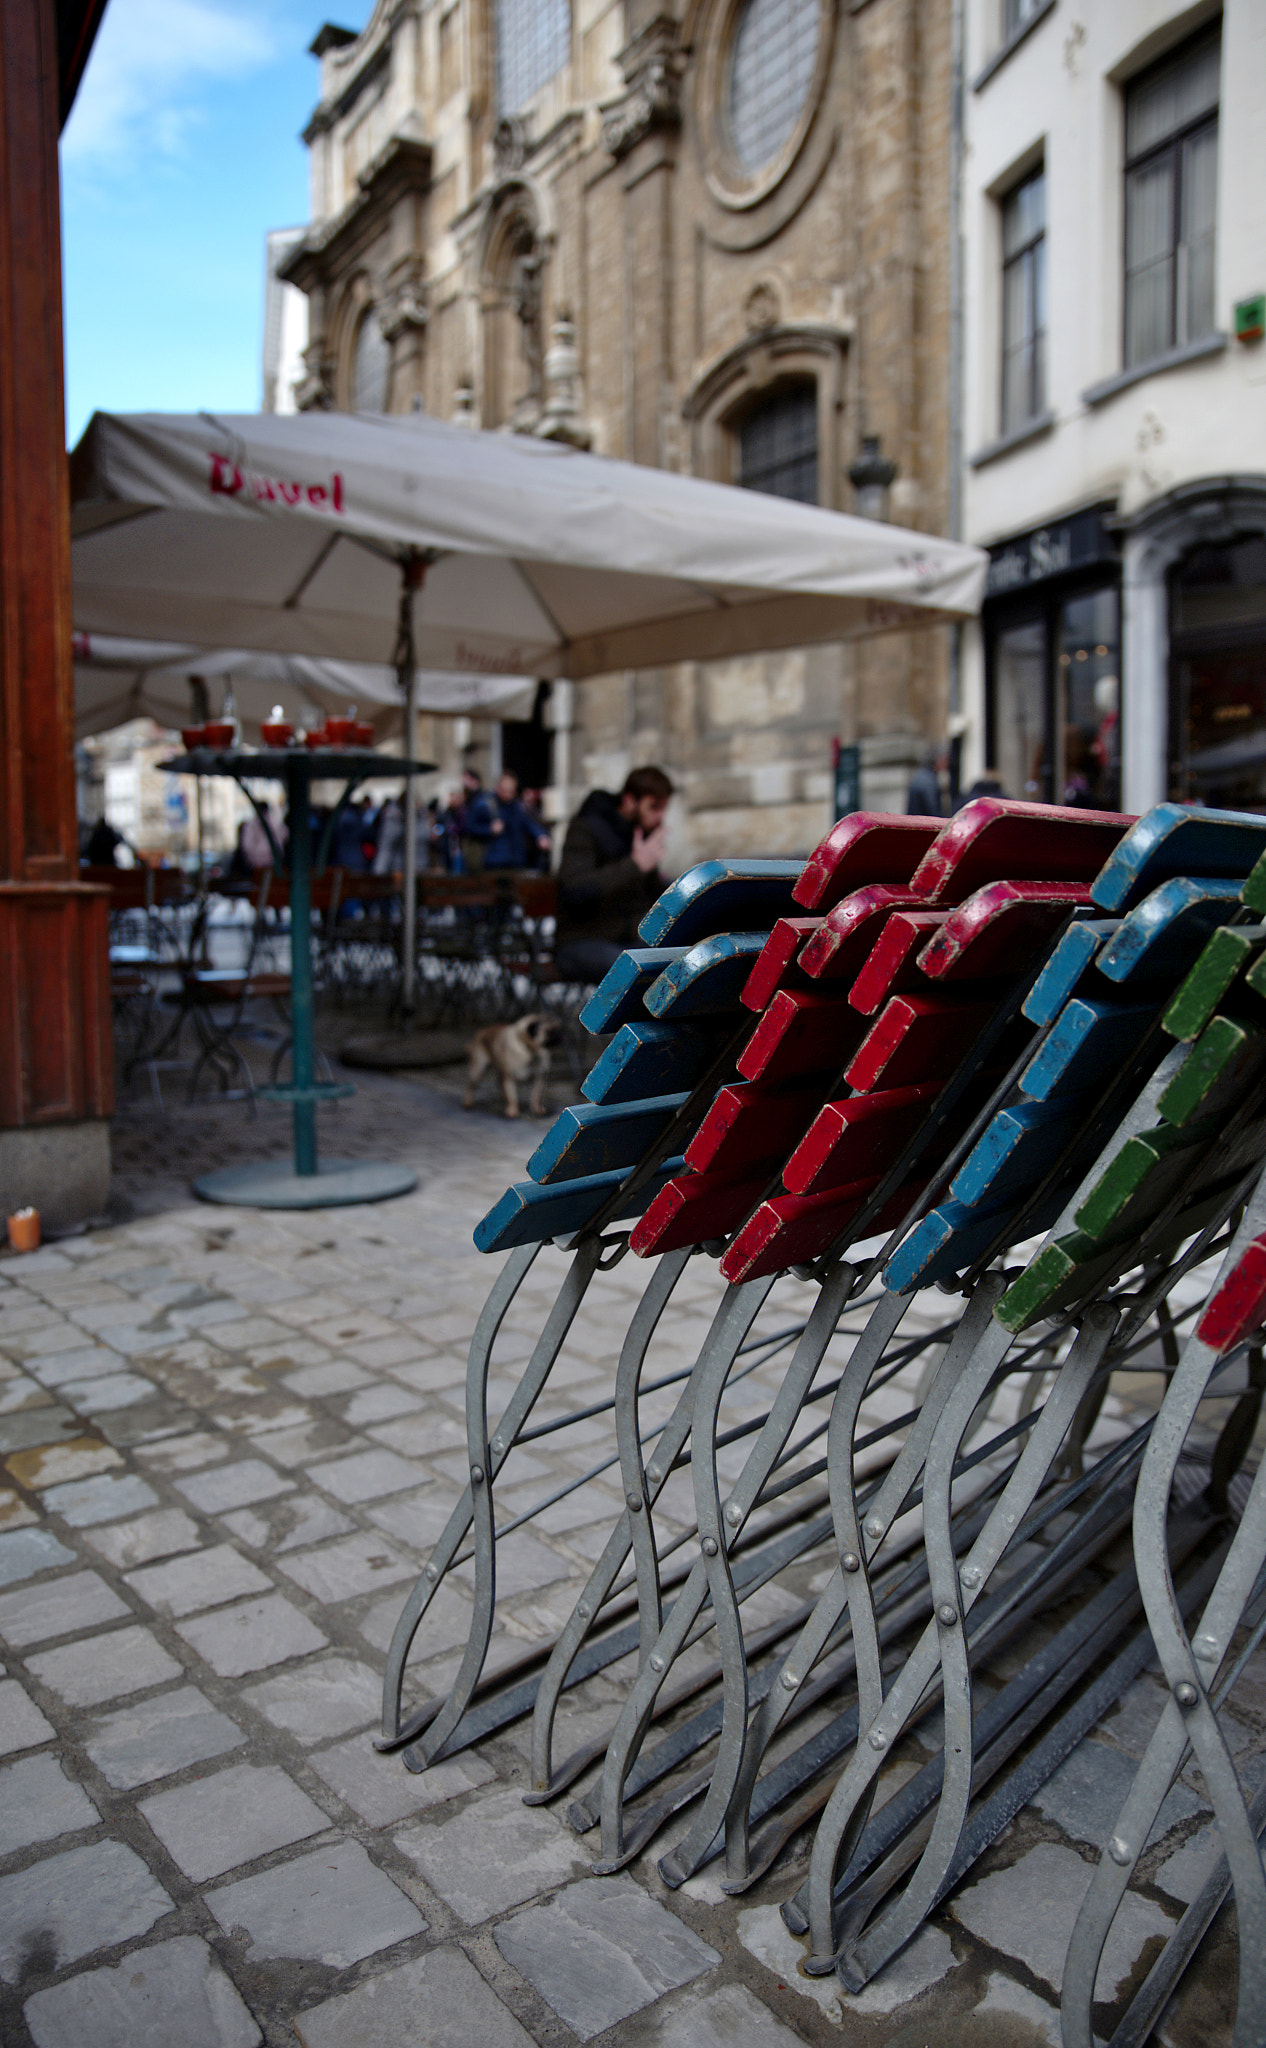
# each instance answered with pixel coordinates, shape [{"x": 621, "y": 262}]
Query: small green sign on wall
[{"x": 1250, "y": 318}]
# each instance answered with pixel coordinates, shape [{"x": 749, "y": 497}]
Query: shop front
[{"x": 1051, "y": 628}]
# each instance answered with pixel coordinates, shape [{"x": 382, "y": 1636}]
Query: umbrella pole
[
  {"x": 413, "y": 565},
  {"x": 410, "y": 850}
]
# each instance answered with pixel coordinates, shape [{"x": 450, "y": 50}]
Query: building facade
[
  {"x": 712, "y": 236},
  {"x": 1114, "y": 236}
]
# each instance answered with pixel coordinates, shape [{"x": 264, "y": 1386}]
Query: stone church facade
[{"x": 713, "y": 237}]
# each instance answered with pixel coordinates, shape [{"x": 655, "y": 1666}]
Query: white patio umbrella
[
  {"x": 117, "y": 680},
  {"x": 497, "y": 554}
]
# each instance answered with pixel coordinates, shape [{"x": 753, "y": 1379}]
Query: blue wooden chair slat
[
  {"x": 529, "y": 1214},
  {"x": 1017, "y": 1147},
  {"x": 649, "y": 1059},
  {"x": 589, "y": 1139},
  {"x": 1086, "y": 1042},
  {"x": 618, "y": 998},
  {"x": 1075, "y": 953},
  {"x": 955, "y": 1234},
  {"x": 721, "y": 896},
  {"x": 707, "y": 979},
  {"x": 1162, "y": 937},
  {"x": 1172, "y": 840}
]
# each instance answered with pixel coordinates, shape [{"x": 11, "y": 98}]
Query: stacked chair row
[{"x": 1001, "y": 1081}]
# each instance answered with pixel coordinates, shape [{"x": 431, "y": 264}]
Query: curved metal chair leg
[
  {"x": 486, "y": 1459},
  {"x": 954, "y": 1593},
  {"x": 1190, "y": 1665},
  {"x": 733, "y": 1320},
  {"x": 585, "y": 1613},
  {"x": 849, "y": 1586},
  {"x": 719, "y": 1532},
  {"x": 491, "y": 1317},
  {"x": 922, "y": 1664}
]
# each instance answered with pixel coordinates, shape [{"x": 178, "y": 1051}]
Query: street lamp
[{"x": 871, "y": 475}]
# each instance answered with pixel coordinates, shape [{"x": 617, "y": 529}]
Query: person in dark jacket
[
  {"x": 510, "y": 835},
  {"x": 609, "y": 873},
  {"x": 923, "y": 797}
]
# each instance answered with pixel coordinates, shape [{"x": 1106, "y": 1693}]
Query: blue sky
[{"x": 181, "y": 152}]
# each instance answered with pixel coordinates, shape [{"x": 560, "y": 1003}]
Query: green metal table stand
[{"x": 307, "y": 1182}]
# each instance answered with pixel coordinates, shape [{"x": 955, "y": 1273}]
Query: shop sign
[{"x": 1050, "y": 551}]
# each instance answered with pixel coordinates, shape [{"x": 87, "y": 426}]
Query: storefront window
[
  {"x": 1021, "y": 755},
  {"x": 1089, "y": 691},
  {"x": 1055, "y": 731},
  {"x": 1218, "y": 658}
]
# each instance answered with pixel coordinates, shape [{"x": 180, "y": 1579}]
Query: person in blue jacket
[{"x": 510, "y": 836}]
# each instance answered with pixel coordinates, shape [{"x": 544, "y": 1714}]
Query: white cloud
[{"x": 149, "y": 67}]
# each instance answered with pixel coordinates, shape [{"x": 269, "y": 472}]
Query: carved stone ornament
[
  {"x": 761, "y": 308},
  {"x": 561, "y": 414},
  {"x": 652, "y": 66},
  {"x": 510, "y": 146},
  {"x": 314, "y": 390},
  {"x": 405, "y": 305}
]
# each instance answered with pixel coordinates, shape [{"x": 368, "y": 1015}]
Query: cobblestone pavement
[{"x": 228, "y": 1438}]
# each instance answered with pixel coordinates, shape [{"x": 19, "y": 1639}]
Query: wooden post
[{"x": 56, "y": 1068}]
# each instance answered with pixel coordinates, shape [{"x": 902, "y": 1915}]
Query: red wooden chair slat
[
  {"x": 777, "y": 966},
  {"x": 840, "y": 946},
  {"x": 865, "y": 847},
  {"x": 791, "y": 1230},
  {"x": 915, "y": 1038},
  {"x": 1239, "y": 1306},
  {"x": 749, "y": 1125},
  {"x": 849, "y": 1140},
  {"x": 800, "y": 1034},
  {"x": 999, "y": 929},
  {"x": 995, "y": 838},
  {"x": 694, "y": 1208},
  {"x": 892, "y": 967}
]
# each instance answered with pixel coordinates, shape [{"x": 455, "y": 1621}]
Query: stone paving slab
[
  {"x": 201, "y": 1578},
  {"x": 493, "y": 1854},
  {"x": 27, "y": 1551},
  {"x": 314, "y": 1701},
  {"x": 104, "y": 1667},
  {"x": 250, "y": 1637},
  {"x": 38, "y": 1802},
  {"x": 333, "y": 1907},
  {"x": 72, "y": 1904},
  {"x": 22, "y": 1726},
  {"x": 137, "y": 1744},
  {"x": 601, "y": 1951},
  {"x": 58, "y": 1608},
  {"x": 172, "y": 1994},
  {"x": 439, "y": 2001},
  {"x": 131, "y": 1543},
  {"x": 231, "y": 1817}
]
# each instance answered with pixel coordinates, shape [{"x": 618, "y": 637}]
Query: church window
[
  {"x": 533, "y": 45},
  {"x": 371, "y": 363},
  {"x": 776, "y": 442},
  {"x": 772, "y": 60}
]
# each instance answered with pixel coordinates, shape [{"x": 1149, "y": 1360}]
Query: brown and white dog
[{"x": 518, "y": 1052}]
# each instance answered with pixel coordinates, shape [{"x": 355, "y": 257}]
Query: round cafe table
[{"x": 304, "y": 1182}]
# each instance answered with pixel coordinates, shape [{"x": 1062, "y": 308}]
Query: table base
[{"x": 337, "y": 1183}]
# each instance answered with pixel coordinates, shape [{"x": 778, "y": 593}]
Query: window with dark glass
[
  {"x": 1014, "y": 15},
  {"x": 772, "y": 61},
  {"x": 1024, "y": 302},
  {"x": 533, "y": 44},
  {"x": 1171, "y": 161},
  {"x": 371, "y": 363},
  {"x": 777, "y": 443},
  {"x": 1217, "y": 639}
]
